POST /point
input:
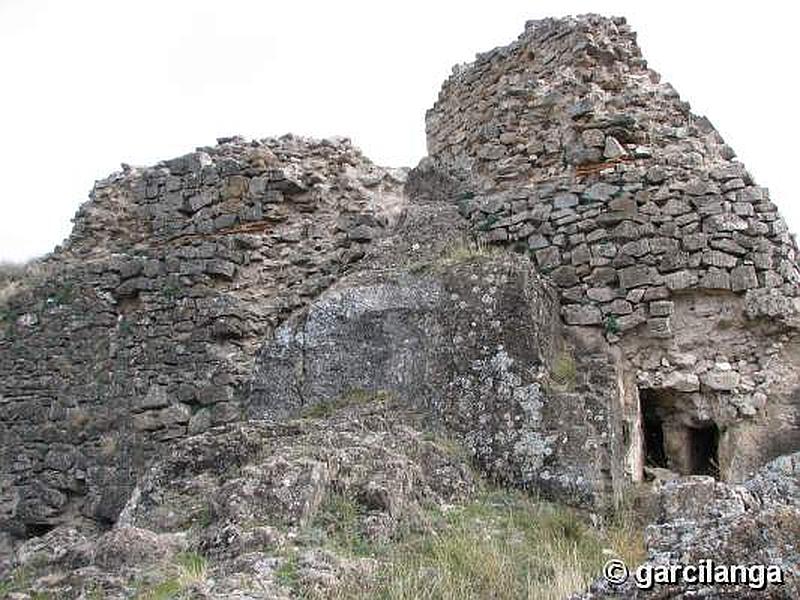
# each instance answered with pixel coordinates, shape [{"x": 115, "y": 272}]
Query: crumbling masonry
[
  {"x": 198, "y": 292},
  {"x": 639, "y": 214}
]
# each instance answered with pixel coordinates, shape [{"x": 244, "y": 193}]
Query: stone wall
[
  {"x": 636, "y": 209},
  {"x": 143, "y": 327},
  {"x": 584, "y": 159},
  {"x": 256, "y": 279}
]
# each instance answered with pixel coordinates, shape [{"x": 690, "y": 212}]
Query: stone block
[
  {"x": 580, "y": 255},
  {"x": 582, "y": 314},
  {"x": 593, "y": 138},
  {"x": 631, "y": 321},
  {"x": 715, "y": 258},
  {"x": 743, "y": 278},
  {"x": 235, "y": 187},
  {"x": 562, "y": 201},
  {"x": 200, "y": 421},
  {"x": 715, "y": 279},
  {"x": 365, "y": 233},
  {"x": 724, "y": 222},
  {"x": 720, "y": 380},
  {"x": 537, "y": 241},
  {"x": 763, "y": 260},
  {"x": 680, "y": 280},
  {"x": 728, "y": 246},
  {"x": 156, "y": 397},
  {"x": 635, "y": 295},
  {"x": 564, "y": 276},
  {"x": 601, "y": 192},
  {"x": 636, "y": 276},
  {"x": 613, "y": 149},
  {"x": 656, "y": 174},
  {"x": 694, "y": 241},
  {"x": 659, "y": 327},
  {"x": 682, "y": 382},
  {"x": 673, "y": 261},
  {"x": 220, "y": 268},
  {"x": 601, "y": 294},
  {"x": 636, "y": 248},
  {"x": 676, "y": 207},
  {"x": 661, "y": 308},
  {"x": 602, "y": 276},
  {"x": 497, "y": 235},
  {"x": 618, "y": 307},
  {"x": 548, "y": 258}
]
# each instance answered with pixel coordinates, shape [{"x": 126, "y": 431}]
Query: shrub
[
  {"x": 488, "y": 222},
  {"x": 612, "y": 324},
  {"x": 466, "y": 250}
]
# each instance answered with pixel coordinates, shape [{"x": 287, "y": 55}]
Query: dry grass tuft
[
  {"x": 564, "y": 372},
  {"x": 504, "y": 545},
  {"x": 464, "y": 250}
]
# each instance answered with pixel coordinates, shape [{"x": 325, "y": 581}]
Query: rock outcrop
[
  {"x": 242, "y": 496},
  {"x": 699, "y": 519}
]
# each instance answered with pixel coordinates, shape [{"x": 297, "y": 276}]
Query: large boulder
[{"x": 474, "y": 337}]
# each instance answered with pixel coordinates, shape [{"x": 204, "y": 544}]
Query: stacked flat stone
[
  {"x": 147, "y": 325},
  {"x": 584, "y": 159}
]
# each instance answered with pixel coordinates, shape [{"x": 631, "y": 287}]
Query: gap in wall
[{"x": 670, "y": 443}]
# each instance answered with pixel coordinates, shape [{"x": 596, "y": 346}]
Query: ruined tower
[{"x": 636, "y": 209}]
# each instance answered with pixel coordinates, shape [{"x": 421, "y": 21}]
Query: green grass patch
[
  {"x": 564, "y": 372},
  {"x": 287, "y": 574},
  {"x": 353, "y": 397},
  {"x": 505, "y": 545},
  {"x": 187, "y": 570},
  {"x": 337, "y": 525},
  {"x": 611, "y": 324}
]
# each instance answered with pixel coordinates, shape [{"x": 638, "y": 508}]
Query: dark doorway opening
[
  {"x": 703, "y": 444},
  {"x": 673, "y": 439},
  {"x": 653, "y": 429}
]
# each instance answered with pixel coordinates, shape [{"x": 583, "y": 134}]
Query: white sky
[{"x": 87, "y": 84}]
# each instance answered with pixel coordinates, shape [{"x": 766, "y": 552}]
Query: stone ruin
[
  {"x": 635, "y": 309},
  {"x": 650, "y": 229},
  {"x": 147, "y": 324}
]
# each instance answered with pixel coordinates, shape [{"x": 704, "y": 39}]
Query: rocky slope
[{"x": 242, "y": 497}]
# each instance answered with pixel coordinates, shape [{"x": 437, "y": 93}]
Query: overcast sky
[{"x": 88, "y": 84}]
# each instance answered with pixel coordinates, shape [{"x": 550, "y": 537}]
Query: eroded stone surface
[
  {"x": 471, "y": 339},
  {"x": 243, "y": 495},
  {"x": 702, "y": 519}
]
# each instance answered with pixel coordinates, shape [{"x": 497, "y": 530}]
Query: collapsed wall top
[{"x": 584, "y": 158}]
